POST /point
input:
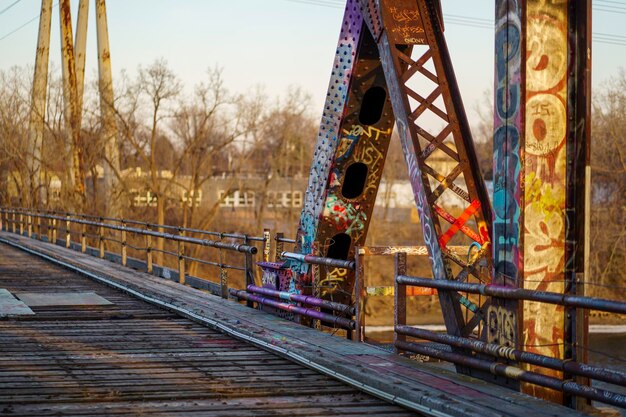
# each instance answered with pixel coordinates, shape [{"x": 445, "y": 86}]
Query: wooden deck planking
[
  {"x": 418, "y": 385},
  {"x": 132, "y": 358}
]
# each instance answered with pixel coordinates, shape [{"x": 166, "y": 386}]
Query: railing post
[
  {"x": 13, "y": 226},
  {"x": 54, "y": 231},
  {"x": 399, "y": 295},
  {"x": 21, "y": 224},
  {"x": 124, "y": 254},
  {"x": 267, "y": 245},
  {"x": 48, "y": 229},
  {"x": 29, "y": 225},
  {"x": 101, "y": 236},
  {"x": 359, "y": 293},
  {"x": 249, "y": 271},
  {"x": 181, "y": 258},
  {"x": 83, "y": 238},
  {"x": 68, "y": 235},
  {"x": 224, "y": 282},
  {"x": 279, "y": 247},
  {"x": 1, "y": 219},
  {"x": 148, "y": 251},
  {"x": 38, "y": 226},
  {"x": 223, "y": 274}
]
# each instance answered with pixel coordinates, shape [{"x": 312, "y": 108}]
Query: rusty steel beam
[
  {"x": 541, "y": 160},
  {"x": 423, "y": 87},
  {"x": 515, "y": 373},
  {"x": 80, "y": 46},
  {"x": 389, "y": 50},
  {"x": 348, "y": 160},
  {"x": 38, "y": 104},
  {"x": 72, "y": 117},
  {"x": 107, "y": 111}
]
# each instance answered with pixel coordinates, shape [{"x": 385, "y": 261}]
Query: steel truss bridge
[{"x": 509, "y": 276}]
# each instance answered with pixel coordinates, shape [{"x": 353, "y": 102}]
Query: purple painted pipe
[
  {"x": 304, "y": 299},
  {"x": 314, "y": 314}
]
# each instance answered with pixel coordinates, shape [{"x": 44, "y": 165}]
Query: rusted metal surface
[
  {"x": 403, "y": 68},
  {"x": 131, "y": 358},
  {"x": 515, "y": 373},
  {"x": 348, "y": 159},
  {"x": 38, "y": 102},
  {"x": 541, "y": 145},
  {"x": 107, "y": 111},
  {"x": 574, "y": 368},
  {"x": 71, "y": 111},
  {"x": 80, "y": 48},
  {"x": 332, "y": 212}
]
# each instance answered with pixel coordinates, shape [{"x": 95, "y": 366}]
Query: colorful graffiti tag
[{"x": 545, "y": 177}]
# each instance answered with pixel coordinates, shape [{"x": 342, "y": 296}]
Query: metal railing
[
  {"x": 465, "y": 348},
  {"x": 320, "y": 311},
  {"x": 99, "y": 235}
]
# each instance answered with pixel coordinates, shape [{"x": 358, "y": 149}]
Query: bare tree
[{"x": 608, "y": 166}]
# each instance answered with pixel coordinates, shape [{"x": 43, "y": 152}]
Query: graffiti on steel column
[
  {"x": 345, "y": 216},
  {"x": 329, "y": 134},
  {"x": 508, "y": 154},
  {"x": 545, "y": 178}
]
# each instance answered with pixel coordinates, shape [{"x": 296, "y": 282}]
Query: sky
[{"x": 275, "y": 43}]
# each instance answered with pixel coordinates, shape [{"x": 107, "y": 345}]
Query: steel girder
[
  {"x": 541, "y": 168},
  {"x": 410, "y": 54}
]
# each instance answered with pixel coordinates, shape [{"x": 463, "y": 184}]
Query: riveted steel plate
[
  {"x": 11, "y": 306},
  {"x": 33, "y": 299}
]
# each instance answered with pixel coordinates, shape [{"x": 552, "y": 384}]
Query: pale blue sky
[{"x": 275, "y": 43}]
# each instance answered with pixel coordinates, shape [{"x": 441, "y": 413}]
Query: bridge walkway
[{"x": 141, "y": 354}]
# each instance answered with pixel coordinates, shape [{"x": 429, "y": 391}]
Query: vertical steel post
[
  {"x": 267, "y": 245},
  {"x": 38, "y": 222},
  {"x": 38, "y": 102},
  {"x": 359, "y": 295},
  {"x": 578, "y": 185},
  {"x": 54, "y": 231},
  {"x": 248, "y": 269},
  {"x": 181, "y": 258},
  {"x": 541, "y": 145},
  {"x": 124, "y": 250},
  {"x": 83, "y": 238},
  {"x": 280, "y": 247},
  {"x": 399, "y": 297},
  {"x": 101, "y": 238},
  {"x": 68, "y": 236},
  {"x": 148, "y": 251},
  {"x": 107, "y": 112}
]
